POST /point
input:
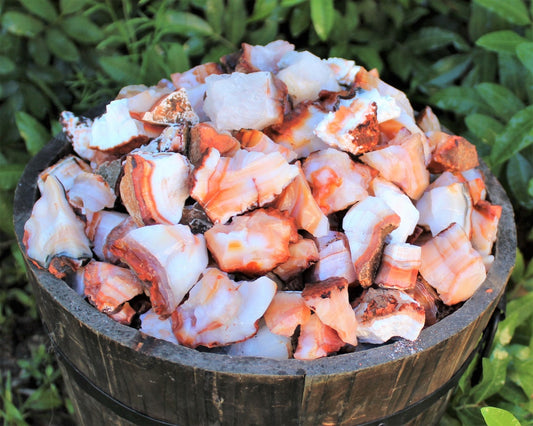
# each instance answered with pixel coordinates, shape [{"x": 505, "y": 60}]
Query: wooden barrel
[{"x": 118, "y": 375}]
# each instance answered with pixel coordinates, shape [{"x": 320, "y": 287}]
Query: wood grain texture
[{"x": 186, "y": 387}]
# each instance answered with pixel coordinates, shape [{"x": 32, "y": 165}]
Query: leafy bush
[
  {"x": 36, "y": 392},
  {"x": 472, "y": 61},
  {"x": 504, "y": 392},
  {"x": 495, "y": 97}
]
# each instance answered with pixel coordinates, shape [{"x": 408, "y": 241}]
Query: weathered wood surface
[{"x": 186, "y": 387}]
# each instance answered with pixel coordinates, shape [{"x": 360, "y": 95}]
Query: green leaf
[
  {"x": 13, "y": 413},
  {"x": 396, "y": 13},
  {"x": 32, "y": 131},
  {"x": 290, "y": 3},
  {"x": 110, "y": 43},
  {"x": 44, "y": 399},
  {"x": 494, "y": 373},
  {"x": 524, "y": 52},
  {"x": 518, "y": 134},
  {"x": 433, "y": 38},
  {"x": 184, "y": 23},
  {"x": 71, "y": 6},
  {"x": 235, "y": 21},
  {"x": 339, "y": 51},
  {"x": 299, "y": 20},
  {"x": 195, "y": 46},
  {"x": 214, "y": 12},
  {"x": 521, "y": 411},
  {"x": 21, "y": 24},
  {"x": 465, "y": 382},
  {"x": 470, "y": 416},
  {"x": 121, "y": 69},
  {"x": 215, "y": 53},
  {"x": 523, "y": 375},
  {"x": 42, "y": 8},
  {"x": 56, "y": 128},
  {"x": 477, "y": 22},
  {"x": 368, "y": 56},
  {"x": 46, "y": 74},
  {"x": 519, "y": 174},
  {"x": 265, "y": 33},
  {"x": 9, "y": 175},
  {"x": 345, "y": 23},
  {"x": 498, "y": 417},
  {"x": 61, "y": 46},
  {"x": 461, "y": 100},
  {"x": 513, "y": 74},
  {"x": 485, "y": 68},
  {"x": 518, "y": 311},
  {"x": 400, "y": 60},
  {"x": 177, "y": 58},
  {"x": 514, "y": 11},
  {"x": 514, "y": 394},
  {"x": 485, "y": 127},
  {"x": 262, "y": 9},
  {"x": 6, "y": 65},
  {"x": 504, "y": 41},
  {"x": 449, "y": 68},
  {"x": 519, "y": 267},
  {"x": 82, "y": 29},
  {"x": 322, "y": 16},
  {"x": 39, "y": 51},
  {"x": 36, "y": 102},
  {"x": 502, "y": 101},
  {"x": 154, "y": 66}
]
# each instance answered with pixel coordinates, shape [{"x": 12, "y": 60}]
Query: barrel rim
[{"x": 485, "y": 298}]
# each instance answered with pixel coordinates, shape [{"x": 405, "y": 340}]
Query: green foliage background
[{"x": 471, "y": 61}]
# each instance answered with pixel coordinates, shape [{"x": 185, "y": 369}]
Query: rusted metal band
[{"x": 400, "y": 417}]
